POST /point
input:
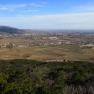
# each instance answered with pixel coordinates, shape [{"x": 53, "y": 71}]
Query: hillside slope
[{"x": 9, "y": 30}]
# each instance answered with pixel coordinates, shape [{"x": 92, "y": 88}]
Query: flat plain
[{"x": 67, "y": 52}]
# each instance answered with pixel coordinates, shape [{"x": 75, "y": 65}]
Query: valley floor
[{"x": 44, "y": 53}]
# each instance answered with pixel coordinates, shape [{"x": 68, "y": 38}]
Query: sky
[{"x": 47, "y": 14}]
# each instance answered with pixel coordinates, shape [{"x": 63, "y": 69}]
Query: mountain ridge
[{"x": 9, "y": 30}]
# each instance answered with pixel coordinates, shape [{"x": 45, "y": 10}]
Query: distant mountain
[{"x": 9, "y": 30}]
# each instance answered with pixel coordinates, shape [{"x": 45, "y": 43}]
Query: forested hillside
[{"x": 33, "y": 77}]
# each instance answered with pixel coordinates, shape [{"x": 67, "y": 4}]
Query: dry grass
[{"x": 48, "y": 52}]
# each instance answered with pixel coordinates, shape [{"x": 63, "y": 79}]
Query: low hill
[{"x": 9, "y": 30}]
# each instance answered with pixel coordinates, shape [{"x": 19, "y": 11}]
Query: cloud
[
  {"x": 4, "y": 8},
  {"x": 58, "y": 21},
  {"x": 83, "y": 8},
  {"x": 65, "y": 21},
  {"x": 79, "y": 21},
  {"x": 20, "y": 7},
  {"x": 75, "y": 6},
  {"x": 31, "y": 10}
]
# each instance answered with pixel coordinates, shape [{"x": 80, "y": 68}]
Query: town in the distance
[{"x": 46, "y": 44}]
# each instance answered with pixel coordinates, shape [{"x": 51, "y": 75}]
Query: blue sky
[{"x": 48, "y": 14}]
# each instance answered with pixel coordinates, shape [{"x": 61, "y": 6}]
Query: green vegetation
[{"x": 33, "y": 77}]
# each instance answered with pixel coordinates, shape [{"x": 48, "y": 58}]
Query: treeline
[{"x": 33, "y": 77}]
